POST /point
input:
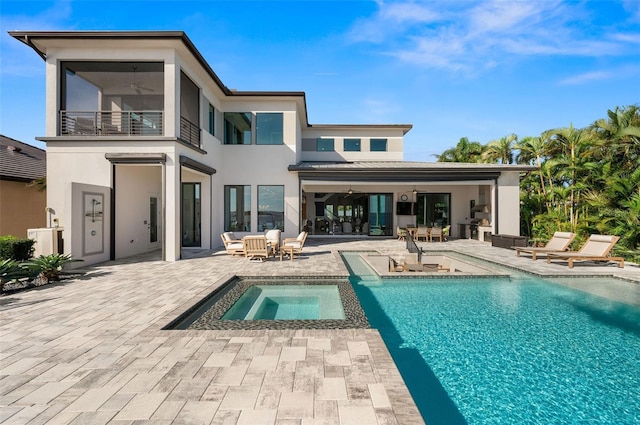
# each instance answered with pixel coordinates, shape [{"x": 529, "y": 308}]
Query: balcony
[
  {"x": 189, "y": 132},
  {"x": 111, "y": 123}
]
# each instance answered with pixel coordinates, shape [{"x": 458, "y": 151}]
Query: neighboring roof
[
  {"x": 403, "y": 170},
  {"x": 36, "y": 39},
  {"x": 20, "y": 161}
]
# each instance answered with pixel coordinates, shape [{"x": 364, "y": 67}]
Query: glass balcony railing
[{"x": 111, "y": 123}]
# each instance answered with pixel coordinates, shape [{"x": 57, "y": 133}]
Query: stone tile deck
[{"x": 92, "y": 350}]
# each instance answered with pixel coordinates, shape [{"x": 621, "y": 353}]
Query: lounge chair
[
  {"x": 559, "y": 242},
  {"x": 256, "y": 247},
  {"x": 597, "y": 248},
  {"x": 291, "y": 246},
  {"x": 232, "y": 244}
]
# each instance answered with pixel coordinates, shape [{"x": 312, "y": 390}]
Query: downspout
[
  {"x": 210, "y": 211},
  {"x": 28, "y": 42},
  {"x": 164, "y": 212},
  {"x": 299, "y": 204},
  {"x": 112, "y": 230},
  {"x": 495, "y": 202}
]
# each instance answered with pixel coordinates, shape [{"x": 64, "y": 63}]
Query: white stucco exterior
[{"x": 109, "y": 188}]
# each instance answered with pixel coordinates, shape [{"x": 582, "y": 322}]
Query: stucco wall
[
  {"x": 509, "y": 204},
  {"x": 21, "y": 208},
  {"x": 135, "y": 184}
]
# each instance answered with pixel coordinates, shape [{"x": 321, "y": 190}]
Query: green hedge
[{"x": 13, "y": 248}]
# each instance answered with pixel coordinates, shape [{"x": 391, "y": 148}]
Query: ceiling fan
[
  {"x": 351, "y": 192},
  {"x": 133, "y": 85}
]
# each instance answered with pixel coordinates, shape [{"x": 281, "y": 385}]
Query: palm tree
[
  {"x": 569, "y": 147},
  {"x": 619, "y": 136},
  {"x": 465, "y": 151},
  {"x": 533, "y": 150},
  {"x": 500, "y": 150}
]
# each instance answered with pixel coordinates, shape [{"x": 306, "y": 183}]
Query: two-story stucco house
[{"x": 147, "y": 149}]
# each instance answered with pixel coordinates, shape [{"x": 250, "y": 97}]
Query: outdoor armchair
[
  {"x": 256, "y": 247},
  {"x": 293, "y": 246},
  {"x": 232, "y": 244}
]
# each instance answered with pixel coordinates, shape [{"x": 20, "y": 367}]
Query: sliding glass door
[
  {"x": 434, "y": 209},
  {"x": 191, "y": 214},
  {"x": 381, "y": 214}
]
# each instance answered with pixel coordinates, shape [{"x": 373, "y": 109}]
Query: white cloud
[
  {"x": 392, "y": 18},
  {"x": 587, "y": 77},
  {"x": 472, "y": 36}
]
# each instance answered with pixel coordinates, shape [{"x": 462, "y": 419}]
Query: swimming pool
[{"x": 507, "y": 351}]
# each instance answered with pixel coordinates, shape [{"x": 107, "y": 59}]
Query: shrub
[
  {"x": 49, "y": 267},
  {"x": 11, "y": 270},
  {"x": 13, "y": 248}
]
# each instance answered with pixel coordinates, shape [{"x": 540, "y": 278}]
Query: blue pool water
[
  {"x": 287, "y": 302},
  {"x": 501, "y": 351}
]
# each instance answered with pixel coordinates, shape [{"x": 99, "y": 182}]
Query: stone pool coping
[{"x": 225, "y": 292}]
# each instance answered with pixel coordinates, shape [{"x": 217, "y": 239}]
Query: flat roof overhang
[
  {"x": 40, "y": 40},
  {"x": 399, "y": 172}
]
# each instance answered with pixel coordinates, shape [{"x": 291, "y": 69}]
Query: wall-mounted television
[{"x": 405, "y": 208}]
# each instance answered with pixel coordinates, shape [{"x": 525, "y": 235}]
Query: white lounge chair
[
  {"x": 597, "y": 248},
  {"x": 559, "y": 242}
]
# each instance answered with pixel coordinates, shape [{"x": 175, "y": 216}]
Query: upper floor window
[
  {"x": 212, "y": 120},
  {"x": 269, "y": 128},
  {"x": 324, "y": 145},
  {"x": 352, "y": 145},
  {"x": 378, "y": 145},
  {"x": 189, "y": 111},
  {"x": 237, "y": 128}
]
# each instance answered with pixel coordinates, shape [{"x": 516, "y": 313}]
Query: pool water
[
  {"x": 287, "y": 302},
  {"x": 508, "y": 351}
]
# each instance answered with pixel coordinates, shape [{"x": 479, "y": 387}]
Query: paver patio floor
[{"x": 91, "y": 350}]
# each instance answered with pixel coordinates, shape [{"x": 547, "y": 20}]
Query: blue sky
[{"x": 452, "y": 69}]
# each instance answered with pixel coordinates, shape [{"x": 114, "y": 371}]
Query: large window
[
  {"x": 237, "y": 208},
  {"x": 189, "y": 111},
  {"x": 269, "y": 128},
  {"x": 237, "y": 128},
  {"x": 111, "y": 98},
  {"x": 270, "y": 207},
  {"x": 352, "y": 145},
  {"x": 324, "y": 145},
  {"x": 378, "y": 145}
]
